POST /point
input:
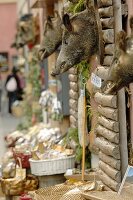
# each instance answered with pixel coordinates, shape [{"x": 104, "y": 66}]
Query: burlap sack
[
  {"x": 73, "y": 194},
  {"x": 52, "y": 193}
]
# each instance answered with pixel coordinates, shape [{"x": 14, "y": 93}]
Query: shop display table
[
  {"x": 51, "y": 180},
  {"x": 126, "y": 194}
]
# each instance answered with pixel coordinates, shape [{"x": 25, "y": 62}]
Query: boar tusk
[
  {"x": 55, "y": 72},
  {"x": 41, "y": 54}
]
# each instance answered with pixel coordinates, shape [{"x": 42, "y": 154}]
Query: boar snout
[{"x": 60, "y": 68}]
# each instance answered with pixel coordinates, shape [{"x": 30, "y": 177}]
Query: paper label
[
  {"x": 69, "y": 172},
  {"x": 96, "y": 80}
]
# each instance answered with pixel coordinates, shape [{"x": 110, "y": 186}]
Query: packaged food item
[
  {"x": 8, "y": 170},
  {"x": 14, "y": 186},
  {"x": 24, "y": 156},
  {"x": 25, "y": 197},
  {"x": 20, "y": 183}
]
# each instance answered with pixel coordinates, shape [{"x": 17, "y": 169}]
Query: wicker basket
[
  {"x": 52, "y": 166},
  {"x": 13, "y": 187},
  {"x": 24, "y": 158},
  {"x": 17, "y": 110}
]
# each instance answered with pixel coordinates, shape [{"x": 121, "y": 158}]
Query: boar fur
[
  {"x": 52, "y": 36},
  {"x": 80, "y": 39},
  {"x": 27, "y": 31}
]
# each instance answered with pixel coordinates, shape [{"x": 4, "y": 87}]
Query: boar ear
[
  {"x": 66, "y": 22},
  {"x": 49, "y": 22},
  {"x": 88, "y": 4},
  {"x": 49, "y": 19},
  {"x": 56, "y": 14},
  {"x": 131, "y": 22}
]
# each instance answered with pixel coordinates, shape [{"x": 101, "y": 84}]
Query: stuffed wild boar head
[
  {"x": 18, "y": 42},
  {"x": 121, "y": 69},
  {"x": 52, "y": 36},
  {"x": 80, "y": 40},
  {"x": 27, "y": 31},
  {"x": 29, "y": 27}
]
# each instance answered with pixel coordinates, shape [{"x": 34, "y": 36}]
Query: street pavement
[{"x": 8, "y": 123}]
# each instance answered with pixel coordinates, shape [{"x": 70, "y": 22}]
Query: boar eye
[{"x": 65, "y": 42}]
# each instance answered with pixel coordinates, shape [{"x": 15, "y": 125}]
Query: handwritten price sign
[{"x": 96, "y": 80}]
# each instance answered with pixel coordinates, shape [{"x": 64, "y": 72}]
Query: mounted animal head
[
  {"x": 52, "y": 36},
  {"x": 29, "y": 27},
  {"x": 27, "y": 31},
  {"x": 80, "y": 40},
  {"x": 121, "y": 69},
  {"x": 18, "y": 43}
]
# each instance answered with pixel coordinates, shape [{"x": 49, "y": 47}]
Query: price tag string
[{"x": 82, "y": 93}]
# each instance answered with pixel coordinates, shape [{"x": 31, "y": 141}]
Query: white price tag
[
  {"x": 69, "y": 172},
  {"x": 96, "y": 80}
]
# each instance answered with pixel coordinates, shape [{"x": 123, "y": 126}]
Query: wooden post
[
  {"x": 73, "y": 95},
  {"x": 107, "y": 60},
  {"x": 107, "y": 22},
  {"x": 84, "y": 137},
  {"x": 106, "y": 12},
  {"x": 111, "y": 172},
  {"x": 130, "y": 9},
  {"x": 108, "y": 36},
  {"x": 108, "y": 147},
  {"x": 109, "y": 49},
  {"x": 103, "y": 3},
  {"x": 121, "y": 97},
  {"x": 102, "y": 72},
  {"x": 108, "y": 181},
  {"x": 73, "y": 78},
  {"x": 108, "y": 112},
  {"x": 73, "y": 104},
  {"x": 114, "y": 163},
  {"x": 74, "y": 86},
  {"x": 106, "y": 100},
  {"x": 106, "y": 133},
  {"x": 73, "y": 113},
  {"x": 108, "y": 123},
  {"x": 73, "y": 70}
]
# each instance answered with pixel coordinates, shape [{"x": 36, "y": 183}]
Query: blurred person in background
[
  {"x": 13, "y": 88},
  {"x": 22, "y": 81}
]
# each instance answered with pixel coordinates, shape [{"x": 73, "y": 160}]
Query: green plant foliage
[
  {"x": 87, "y": 158},
  {"x": 78, "y": 154},
  {"x": 22, "y": 126},
  {"x": 84, "y": 70},
  {"x": 80, "y": 6},
  {"x": 34, "y": 79},
  {"x": 71, "y": 8},
  {"x": 57, "y": 116},
  {"x": 76, "y": 7},
  {"x": 73, "y": 135}
]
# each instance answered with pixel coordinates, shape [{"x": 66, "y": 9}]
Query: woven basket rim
[{"x": 51, "y": 160}]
